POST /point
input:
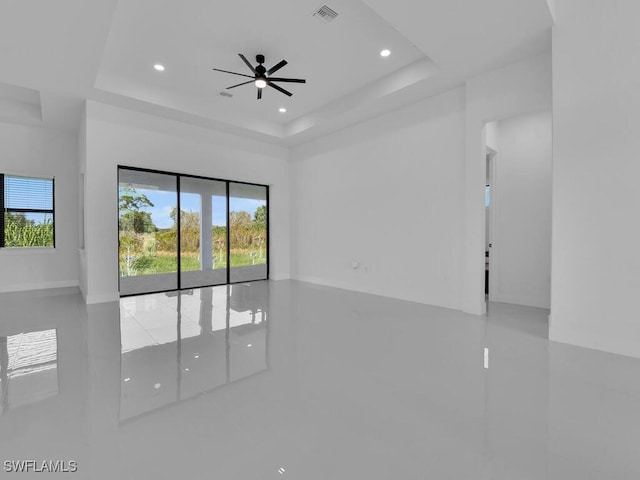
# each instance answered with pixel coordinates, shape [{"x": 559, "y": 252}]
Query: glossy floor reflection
[{"x": 291, "y": 380}]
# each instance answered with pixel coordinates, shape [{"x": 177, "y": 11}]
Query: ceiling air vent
[
  {"x": 325, "y": 14},
  {"x": 225, "y": 94}
]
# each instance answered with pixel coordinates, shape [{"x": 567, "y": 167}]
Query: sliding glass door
[
  {"x": 147, "y": 233},
  {"x": 248, "y": 232},
  {"x": 181, "y": 231},
  {"x": 203, "y": 232}
]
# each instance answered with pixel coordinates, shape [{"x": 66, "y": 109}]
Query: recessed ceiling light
[
  {"x": 385, "y": 53},
  {"x": 282, "y": 110},
  {"x": 159, "y": 67}
]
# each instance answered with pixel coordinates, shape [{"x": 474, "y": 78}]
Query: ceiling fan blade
[
  {"x": 233, "y": 73},
  {"x": 280, "y": 89},
  {"x": 276, "y": 67},
  {"x": 292, "y": 80},
  {"x": 259, "y": 93},
  {"x": 243, "y": 83},
  {"x": 244, "y": 59}
]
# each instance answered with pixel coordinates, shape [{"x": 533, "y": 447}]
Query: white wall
[
  {"x": 520, "y": 265},
  {"x": 596, "y": 170},
  {"x": 42, "y": 152},
  {"x": 387, "y": 193},
  {"x": 491, "y": 135},
  {"x": 516, "y": 89},
  {"x": 120, "y": 137}
]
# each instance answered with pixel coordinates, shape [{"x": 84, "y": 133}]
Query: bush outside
[
  {"x": 146, "y": 249},
  {"x": 22, "y": 232}
]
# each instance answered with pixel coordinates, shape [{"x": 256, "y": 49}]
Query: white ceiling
[{"x": 70, "y": 50}]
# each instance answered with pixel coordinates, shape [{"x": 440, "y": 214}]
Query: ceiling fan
[{"x": 262, "y": 77}]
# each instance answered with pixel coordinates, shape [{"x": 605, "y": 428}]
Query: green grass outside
[{"x": 150, "y": 265}]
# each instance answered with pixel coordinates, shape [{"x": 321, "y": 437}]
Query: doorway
[
  {"x": 517, "y": 178},
  {"x": 488, "y": 194}
]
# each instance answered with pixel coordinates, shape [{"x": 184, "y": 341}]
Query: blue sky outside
[{"x": 163, "y": 202}]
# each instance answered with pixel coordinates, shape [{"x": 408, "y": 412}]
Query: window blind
[
  {"x": 22, "y": 193},
  {"x": 26, "y": 211}
]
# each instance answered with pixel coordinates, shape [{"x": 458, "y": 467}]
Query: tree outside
[{"x": 146, "y": 249}]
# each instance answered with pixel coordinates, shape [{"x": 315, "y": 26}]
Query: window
[
  {"x": 27, "y": 208},
  {"x": 219, "y": 236}
]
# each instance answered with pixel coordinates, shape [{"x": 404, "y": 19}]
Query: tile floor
[{"x": 286, "y": 379}]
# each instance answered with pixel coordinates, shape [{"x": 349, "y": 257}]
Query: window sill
[{"x": 10, "y": 251}]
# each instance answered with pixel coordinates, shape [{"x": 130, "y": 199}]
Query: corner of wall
[{"x": 102, "y": 298}]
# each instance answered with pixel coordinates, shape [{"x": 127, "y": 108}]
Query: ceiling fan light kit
[{"x": 262, "y": 77}]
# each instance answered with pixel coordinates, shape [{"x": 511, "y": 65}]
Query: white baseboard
[
  {"x": 26, "y": 287},
  {"x": 332, "y": 284},
  {"x": 102, "y": 298},
  {"x": 519, "y": 300},
  {"x": 282, "y": 276},
  {"x": 355, "y": 288}
]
